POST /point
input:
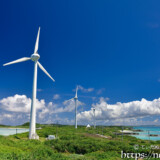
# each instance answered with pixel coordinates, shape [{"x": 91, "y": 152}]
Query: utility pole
[
  {"x": 57, "y": 130},
  {"x": 122, "y": 133},
  {"x": 123, "y": 129}
]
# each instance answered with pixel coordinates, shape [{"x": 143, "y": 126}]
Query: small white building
[
  {"x": 50, "y": 137},
  {"x": 88, "y": 126}
]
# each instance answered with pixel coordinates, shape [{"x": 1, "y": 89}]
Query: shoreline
[{"x": 12, "y": 128}]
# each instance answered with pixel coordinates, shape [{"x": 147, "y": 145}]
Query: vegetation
[{"x": 80, "y": 144}]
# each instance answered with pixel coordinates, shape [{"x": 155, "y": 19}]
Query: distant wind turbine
[
  {"x": 75, "y": 100},
  {"x": 94, "y": 116},
  {"x": 34, "y": 57}
]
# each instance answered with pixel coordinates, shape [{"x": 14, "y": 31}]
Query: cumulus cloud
[
  {"x": 102, "y": 99},
  {"x": 86, "y": 90},
  {"x": 56, "y": 96},
  {"x": 13, "y": 118},
  {"x": 16, "y": 109},
  {"x": 70, "y": 105},
  {"x": 53, "y": 108},
  {"x": 130, "y": 110},
  {"x": 19, "y": 103}
]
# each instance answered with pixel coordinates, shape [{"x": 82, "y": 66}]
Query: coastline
[{"x": 12, "y": 128}]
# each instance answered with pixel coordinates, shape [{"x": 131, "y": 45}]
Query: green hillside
[{"x": 80, "y": 144}]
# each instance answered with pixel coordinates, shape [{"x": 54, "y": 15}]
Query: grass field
[{"x": 71, "y": 144}]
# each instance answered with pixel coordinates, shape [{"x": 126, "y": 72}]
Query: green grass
[{"x": 80, "y": 144}]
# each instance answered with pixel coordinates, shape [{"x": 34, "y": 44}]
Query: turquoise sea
[
  {"x": 11, "y": 131},
  {"x": 146, "y": 131}
]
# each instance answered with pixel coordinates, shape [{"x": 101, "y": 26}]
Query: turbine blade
[
  {"x": 69, "y": 100},
  {"x": 17, "y": 61},
  {"x": 37, "y": 42},
  {"x": 42, "y": 68}
]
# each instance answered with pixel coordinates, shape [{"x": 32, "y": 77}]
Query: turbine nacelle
[
  {"x": 35, "y": 57},
  {"x": 75, "y": 97}
]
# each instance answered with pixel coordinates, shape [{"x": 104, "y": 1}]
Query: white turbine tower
[
  {"x": 34, "y": 57},
  {"x": 94, "y": 117},
  {"x": 75, "y": 100}
]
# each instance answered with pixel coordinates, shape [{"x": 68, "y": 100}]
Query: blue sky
[{"x": 109, "y": 45}]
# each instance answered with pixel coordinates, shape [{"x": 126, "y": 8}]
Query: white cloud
[
  {"x": 56, "y": 96},
  {"x": 16, "y": 110},
  {"x": 13, "y": 118},
  {"x": 102, "y": 99},
  {"x": 19, "y": 103},
  {"x": 53, "y": 108},
  {"x": 130, "y": 110},
  {"x": 100, "y": 91},
  {"x": 43, "y": 113},
  {"x": 86, "y": 90},
  {"x": 156, "y": 120},
  {"x": 70, "y": 105}
]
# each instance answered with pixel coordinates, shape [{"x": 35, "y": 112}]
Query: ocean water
[
  {"x": 146, "y": 131},
  {"x": 11, "y": 131}
]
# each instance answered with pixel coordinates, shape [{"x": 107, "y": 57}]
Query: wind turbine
[
  {"x": 75, "y": 100},
  {"x": 94, "y": 116},
  {"x": 34, "y": 57}
]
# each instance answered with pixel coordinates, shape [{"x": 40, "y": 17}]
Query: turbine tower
[
  {"x": 94, "y": 117},
  {"x": 34, "y": 57},
  {"x": 75, "y": 100}
]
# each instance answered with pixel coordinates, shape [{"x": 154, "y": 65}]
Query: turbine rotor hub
[{"x": 35, "y": 57}]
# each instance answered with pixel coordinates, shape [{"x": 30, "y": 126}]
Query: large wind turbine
[
  {"x": 34, "y": 57},
  {"x": 75, "y": 100}
]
